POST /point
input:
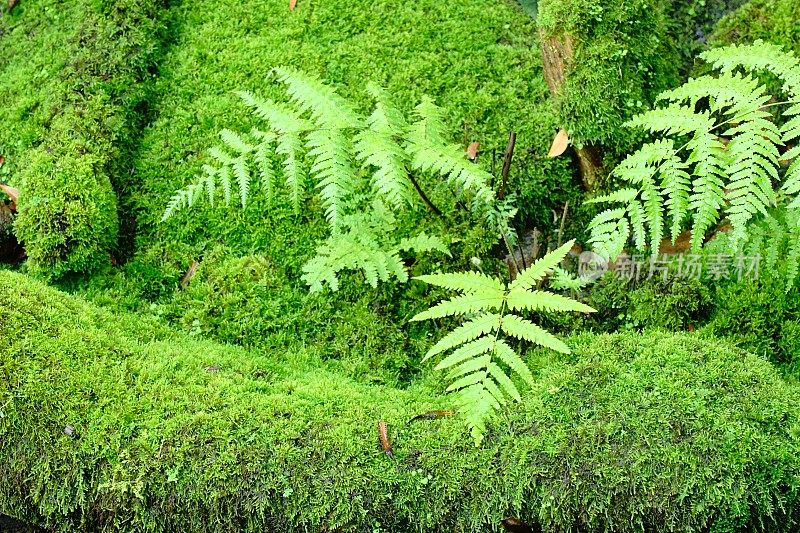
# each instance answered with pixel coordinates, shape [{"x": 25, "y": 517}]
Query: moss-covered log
[
  {"x": 68, "y": 207},
  {"x": 112, "y": 423},
  {"x": 604, "y": 61}
]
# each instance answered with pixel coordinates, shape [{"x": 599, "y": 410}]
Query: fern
[
  {"x": 367, "y": 243},
  {"x": 319, "y": 131},
  {"x": 730, "y": 166},
  {"x": 480, "y": 350},
  {"x": 431, "y": 152}
]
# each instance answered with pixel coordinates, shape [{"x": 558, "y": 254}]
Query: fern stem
[
  {"x": 512, "y": 141},
  {"x": 424, "y": 196}
]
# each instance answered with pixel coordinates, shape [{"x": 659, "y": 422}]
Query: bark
[{"x": 558, "y": 52}]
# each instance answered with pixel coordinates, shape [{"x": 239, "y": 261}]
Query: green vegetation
[
  {"x": 666, "y": 433},
  {"x": 75, "y": 130},
  {"x": 620, "y": 55},
  {"x": 727, "y": 165},
  {"x": 477, "y": 345},
  {"x": 771, "y": 20},
  {"x": 193, "y": 382}
]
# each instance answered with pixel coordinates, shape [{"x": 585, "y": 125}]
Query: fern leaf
[
  {"x": 462, "y": 305},
  {"x": 333, "y": 168},
  {"x": 469, "y": 366},
  {"x": 378, "y": 146},
  {"x": 467, "y": 351},
  {"x": 324, "y": 104},
  {"x": 431, "y": 152},
  {"x": 465, "y": 282},
  {"x": 540, "y": 268},
  {"x": 512, "y": 360},
  {"x": 519, "y": 300},
  {"x": 505, "y": 383},
  {"x": 235, "y": 142},
  {"x": 481, "y": 325},
  {"x": 528, "y": 331},
  {"x": 424, "y": 243}
]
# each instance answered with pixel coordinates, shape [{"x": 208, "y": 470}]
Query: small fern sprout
[{"x": 479, "y": 349}]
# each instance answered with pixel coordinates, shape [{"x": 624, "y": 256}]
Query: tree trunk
[{"x": 557, "y": 54}]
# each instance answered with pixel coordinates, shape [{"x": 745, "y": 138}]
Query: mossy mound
[
  {"x": 775, "y": 21},
  {"x": 110, "y": 422}
]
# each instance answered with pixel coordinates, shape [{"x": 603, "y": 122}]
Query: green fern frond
[
  {"x": 431, "y": 152},
  {"x": 759, "y": 56},
  {"x": 478, "y": 352},
  {"x": 319, "y": 100},
  {"x": 423, "y": 243},
  {"x": 379, "y": 146},
  {"x": 334, "y": 170}
]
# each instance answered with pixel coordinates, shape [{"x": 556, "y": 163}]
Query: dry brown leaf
[
  {"x": 560, "y": 144},
  {"x": 472, "y": 150},
  {"x": 11, "y": 4},
  {"x": 10, "y": 191},
  {"x": 292, "y": 5},
  {"x": 2, "y": 160},
  {"x": 190, "y": 273}
]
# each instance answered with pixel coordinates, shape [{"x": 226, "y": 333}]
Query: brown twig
[
  {"x": 512, "y": 141},
  {"x": 424, "y": 196},
  {"x": 561, "y": 227}
]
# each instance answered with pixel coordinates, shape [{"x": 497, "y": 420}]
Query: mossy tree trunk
[{"x": 558, "y": 53}]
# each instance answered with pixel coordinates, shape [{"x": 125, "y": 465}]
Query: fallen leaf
[
  {"x": 11, "y": 4},
  {"x": 10, "y": 191},
  {"x": 472, "y": 150},
  {"x": 2, "y": 160},
  {"x": 190, "y": 273},
  {"x": 292, "y": 5},
  {"x": 383, "y": 437},
  {"x": 560, "y": 144}
]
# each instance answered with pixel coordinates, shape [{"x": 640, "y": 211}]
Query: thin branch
[
  {"x": 424, "y": 196},
  {"x": 561, "y": 228},
  {"x": 512, "y": 141}
]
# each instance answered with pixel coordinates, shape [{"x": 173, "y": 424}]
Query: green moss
[
  {"x": 623, "y": 56},
  {"x": 74, "y": 130},
  {"x": 774, "y": 21},
  {"x": 761, "y": 316},
  {"x": 175, "y": 433},
  {"x": 623, "y": 305}
]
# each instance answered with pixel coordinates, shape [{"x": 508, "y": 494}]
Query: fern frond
[
  {"x": 481, "y": 325},
  {"x": 333, "y": 167},
  {"x": 431, "y": 152},
  {"x": 463, "y": 305},
  {"x": 424, "y": 243},
  {"x": 540, "y": 268},
  {"x": 319, "y": 100},
  {"x": 379, "y": 146},
  {"x": 465, "y": 282},
  {"x": 478, "y": 350},
  {"x": 758, "y": 56}
]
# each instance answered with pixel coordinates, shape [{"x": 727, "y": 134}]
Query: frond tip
[{"x": 478, "y": 351}]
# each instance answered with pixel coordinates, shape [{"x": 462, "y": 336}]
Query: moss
[
  {"x": 73, "y": 133},
  {"x": 623, "y": 56},
  {"x": 774, "y": 21},
  {"x": 761, "y": 316},
  {"x": 174, "y": 433},
  {"x": 624, "y": 305}
]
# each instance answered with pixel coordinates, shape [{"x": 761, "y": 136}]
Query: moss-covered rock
[
  {"x": 618, "y": 57},
  {"x": 109, "y": 422}
]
